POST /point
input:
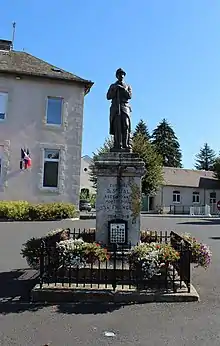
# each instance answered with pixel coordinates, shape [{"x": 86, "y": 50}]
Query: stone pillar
[{"x": 118, "y": 193}]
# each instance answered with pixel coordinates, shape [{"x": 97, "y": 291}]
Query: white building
[
  {"x": 184, "y": 188},
  {"x": 41, "y": 109},
  {"x": 85, "y": 182}
]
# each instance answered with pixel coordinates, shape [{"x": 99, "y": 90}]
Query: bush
[
  {"x": 31, "y": 250},
  {"x": 21, "y": 210},
  {"x": 151, "y": 258},
  {"x": 201, "y": 253},
  {"x": 16, "y": 210}
]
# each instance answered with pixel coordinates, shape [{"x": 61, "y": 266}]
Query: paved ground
[{"x": 79, "y": 324}]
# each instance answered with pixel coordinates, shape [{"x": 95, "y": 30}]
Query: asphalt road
[{"x": 80, "y": 324}]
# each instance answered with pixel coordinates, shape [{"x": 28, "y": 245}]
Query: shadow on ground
[
  {"x": 17, "y": 284},
  {"x": 15, "y": 292},
  {"x": 88, "y": 308},
  {"x": 203, "y": 222}
]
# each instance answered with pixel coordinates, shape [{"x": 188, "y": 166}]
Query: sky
[{"x": 169, "y": 49}]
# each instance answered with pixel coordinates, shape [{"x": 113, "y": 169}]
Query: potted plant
[
  {"x": 201, "y": 253},
  {"x": 151, "y": 259},
  {"x": 77, "y": 252}
]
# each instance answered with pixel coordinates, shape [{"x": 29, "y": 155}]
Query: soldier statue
[{"x": 120, "y": 123}]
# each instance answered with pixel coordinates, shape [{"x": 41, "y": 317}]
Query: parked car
[{"x": 84, "y": 205}]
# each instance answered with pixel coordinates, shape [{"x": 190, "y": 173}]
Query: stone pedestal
[{"x": 118, "y": 194}]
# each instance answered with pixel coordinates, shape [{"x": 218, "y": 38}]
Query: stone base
[
  {"x": 59, "y": 294},
  {"x": 119, "y": 193}
]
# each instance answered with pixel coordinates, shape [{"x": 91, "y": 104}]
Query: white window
[
  {"x": 176, "y": 197},
  {"x": 3, "y": 105},
  {"x": 212, "y": 197},
  {"x": 196, "y": 197},
  {"x": 54, "y": 111},
  {"x": 51, "y": 168}
]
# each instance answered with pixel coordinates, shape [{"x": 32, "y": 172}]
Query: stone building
[{"x": 41, "y": 114}]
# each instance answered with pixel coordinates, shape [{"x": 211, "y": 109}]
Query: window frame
[
  {"x": 176, "y": 193},
  {"x": 196, "y": 194},
  {"x": 52, "y": 188},
  {"x": 2, "y": 154},
  {"x": 212, "y": 200},
  {"x": 61, "y": 115},
  {"x": 4, "y": 92}
]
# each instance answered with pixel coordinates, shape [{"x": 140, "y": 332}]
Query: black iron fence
[
  {"x": 116, "y": 272},
  {"x": 183, "y": 265}
]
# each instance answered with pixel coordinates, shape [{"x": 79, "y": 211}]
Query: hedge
[{"x": 25, "y": 211}]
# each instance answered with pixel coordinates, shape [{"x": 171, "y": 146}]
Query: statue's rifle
[{"x": 118, "y": 102}]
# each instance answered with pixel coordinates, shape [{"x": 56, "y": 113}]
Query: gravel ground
[{"x": 80, "y": 324}]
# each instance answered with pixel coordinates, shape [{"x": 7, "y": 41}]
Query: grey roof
[
  {"x": 190, "y": 178},
  {"x": 23, "y": 63}
]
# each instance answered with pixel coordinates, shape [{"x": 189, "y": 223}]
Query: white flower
[{"x": 71, "y": 245}]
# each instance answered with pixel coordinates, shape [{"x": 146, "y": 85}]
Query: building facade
[
  {"x": 41, "y": 114},
  {"x": 184, "y": 188},
  {"x": 85, "y": 182}
]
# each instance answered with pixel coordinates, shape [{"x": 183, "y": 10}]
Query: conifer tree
[
  {"x": 205, "y": 159},
  {"x": 141, "y": 128},
  {"x": 167, "y": 145}
]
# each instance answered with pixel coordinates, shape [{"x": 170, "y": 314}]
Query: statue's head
[{"x": 120, "y": 74}]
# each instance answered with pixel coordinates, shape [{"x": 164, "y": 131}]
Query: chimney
[{"x": 5, "y": 45}]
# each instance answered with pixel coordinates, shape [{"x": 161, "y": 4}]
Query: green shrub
[
  {"x": 21, "y": 210},
  {"x": 52, "y": 211},
  {"x": 15, "y": 210},
  {"x": 31, "y": 250}
]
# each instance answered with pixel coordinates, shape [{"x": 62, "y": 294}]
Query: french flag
[{"x": 25, "y": 156}]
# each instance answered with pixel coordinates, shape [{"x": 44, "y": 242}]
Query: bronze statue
[{"x": 120, "y": 123}]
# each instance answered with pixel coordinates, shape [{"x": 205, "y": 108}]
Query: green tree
[
  {"x": 205, "y": 159},
  {"x": 141, "y": 128},
  {"x": 108, "y": 144},
  {"x": 153, "y": 163},
  {"x": 167, "y": 145},
  {"x": 216, "y": 167}
]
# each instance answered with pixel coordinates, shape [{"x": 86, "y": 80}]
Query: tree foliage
[
  {"x": 167, "y": 144},
  {"x": 108, "y": 144},
  {"x": 216, "y": 167},
  {"x": 141, "y": 128},
  {"x": 205, "y": 159},
  {"x": 153, "y": 163}
]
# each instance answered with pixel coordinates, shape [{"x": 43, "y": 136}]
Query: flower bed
[
  {"x": 151, "y": 258},
  {"x": 58, "y": 242},
  {"x": 201, "y": 254},
  {"x": 78, "y": 252}
]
